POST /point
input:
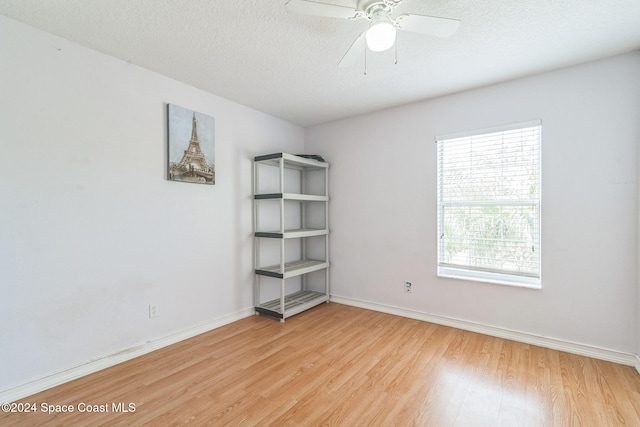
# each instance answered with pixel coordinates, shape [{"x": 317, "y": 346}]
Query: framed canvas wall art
[{"x": 191, "y": 146}]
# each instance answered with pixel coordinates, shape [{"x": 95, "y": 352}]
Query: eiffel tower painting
[{"x": 191, "y": 159}]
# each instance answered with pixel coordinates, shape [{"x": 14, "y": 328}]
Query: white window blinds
[{"x": 489, "y": 205}]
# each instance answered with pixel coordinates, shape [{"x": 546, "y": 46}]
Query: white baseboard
[
  {"x": 569, "y": 347},
  {"x": 28, "y": 389}
]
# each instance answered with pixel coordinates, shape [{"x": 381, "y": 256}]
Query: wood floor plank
[{"x": 343, "y": 366}]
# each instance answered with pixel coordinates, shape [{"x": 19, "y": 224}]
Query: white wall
[
  {"x": 383, "y": 209},
  {"x": 91, "y": 232}
]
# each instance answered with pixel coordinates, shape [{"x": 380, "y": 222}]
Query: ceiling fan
[{"x": 381, "y": 34}]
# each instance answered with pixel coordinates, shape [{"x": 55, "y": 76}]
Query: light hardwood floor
[{"x": 341, "y": 365}]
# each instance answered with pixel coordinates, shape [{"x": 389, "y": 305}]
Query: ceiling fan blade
[
  {"x": 428, "y": 25},
  {"x": 354, "y": 52},
  {"x": 314, "y": 8}
]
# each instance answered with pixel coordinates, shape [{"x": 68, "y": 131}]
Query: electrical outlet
[
  {"x": 154, "y": 311},
  {"x": 407, "y": 287}
]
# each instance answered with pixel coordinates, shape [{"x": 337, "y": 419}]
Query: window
[{"x": 489, "y": 205}]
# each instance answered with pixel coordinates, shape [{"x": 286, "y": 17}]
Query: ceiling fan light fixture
[{"x": 381, "y": 35}]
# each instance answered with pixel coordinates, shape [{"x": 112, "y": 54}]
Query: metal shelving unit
[{"x": 299, "y": 187}]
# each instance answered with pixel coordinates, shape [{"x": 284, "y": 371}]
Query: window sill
[{"x": 493, "y": 278}]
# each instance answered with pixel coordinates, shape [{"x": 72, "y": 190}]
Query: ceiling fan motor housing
[{"x": 376, "y": 9}]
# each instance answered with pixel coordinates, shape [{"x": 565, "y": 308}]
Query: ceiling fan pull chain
[
  {"x": 396, "y": 43},
  {"x": 365, "y": 59}
]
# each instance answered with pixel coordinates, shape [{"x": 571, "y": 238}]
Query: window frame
[{"x": 469, "y": 272}]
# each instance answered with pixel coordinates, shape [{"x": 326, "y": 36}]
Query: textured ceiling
[{"x": 256, "y": 53}]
